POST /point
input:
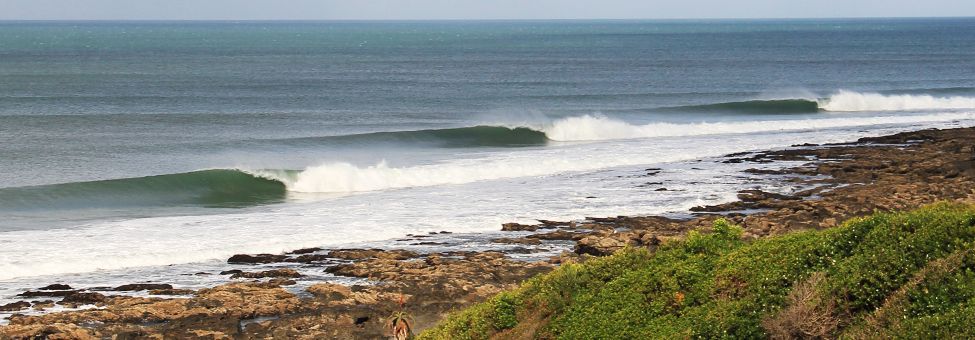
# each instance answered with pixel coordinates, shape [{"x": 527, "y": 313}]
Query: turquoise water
[{"x": 263, "y": 134}]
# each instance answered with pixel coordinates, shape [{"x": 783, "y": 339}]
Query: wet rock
[
  {"x": 42, "y": 305},
  {"x": 557, "y": 235},
  {"x": 522, "y": 240},
  {"x": 361, "y": 254},
  {"x": 83, "y": 298},
  {"x": 172, "y": 291},
  {"x": 518, "y": 227},
  {"x": 277, "y": 282},
  {"x": 30, "y": 294},
  {"x": 14, "y": 306},
  {"x": 285, "y": 272},
  {"x": 142, "y": 286},
  {"x": 309, "y": 258},
  {"x": 428, "y": 243},
  {"x": 259, "y": 258},
  {"x": 758, "y": 195},
  {"x": 553, "y": 224},
  {"x": 56, "y": 286},
  {"x": 231, "y": 272},
  {"x": 304, "y": 251}
]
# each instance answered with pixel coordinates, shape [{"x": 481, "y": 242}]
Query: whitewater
[{"x": 481, "y": 190}]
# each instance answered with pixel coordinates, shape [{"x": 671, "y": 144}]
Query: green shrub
[{"x": 714, "y": 285}]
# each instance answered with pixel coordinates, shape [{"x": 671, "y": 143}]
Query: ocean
[{"x": 129, "y": 147}]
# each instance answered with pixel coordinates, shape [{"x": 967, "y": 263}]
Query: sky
[{"x": 471, "y": 9}]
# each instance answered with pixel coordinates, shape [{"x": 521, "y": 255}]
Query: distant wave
[
  {"x": 244, "y": 187},
  {"x": 778, "y": 106},
  {"x": 208, "y": 188},
  {"x": 842, "y": 101},
  {"x": 473, "y": 136}
]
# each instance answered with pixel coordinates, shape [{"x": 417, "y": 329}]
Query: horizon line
[{"x": 489, "y": 19}]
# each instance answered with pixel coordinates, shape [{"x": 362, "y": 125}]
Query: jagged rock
[
  {"x": 14, "y": 306},
  {"x": 142, "y": 286},
  {"x": 518, "y": 227}
]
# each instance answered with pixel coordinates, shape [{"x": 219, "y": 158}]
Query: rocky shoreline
[{"x": 845, "y": 180}]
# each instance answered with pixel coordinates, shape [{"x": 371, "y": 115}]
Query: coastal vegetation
[{"x": 891, "y": 274}]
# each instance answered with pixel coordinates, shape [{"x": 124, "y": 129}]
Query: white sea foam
[
  {"x": 850, "y": 101},
  {"x": 340, "y": 177},
  {"x": 476, "y": 206},
  {"x": 595, "y": 127}
]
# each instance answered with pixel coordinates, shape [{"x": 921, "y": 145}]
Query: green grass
[{"x": 906, "y": 275}]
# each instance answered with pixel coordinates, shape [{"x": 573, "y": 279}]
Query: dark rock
[
  {"x": 282, "y": 282},
  {"x": 661, "y": 189},
  {"x": 557, "y": 235},
  {"x": 552, "y": 224},
  {"x": 758, "y": 195},
  {"x": 172, "y": 292},
  {"x": 60, "y": 293},
  {"x": 56, "y": 286},
  {"x": 361, "y": 254},
  {"x": 523, "y": 240},
  {"x": 309, "y": 258},
  {"x": 285, "y": 272},
  {"x": 602, "y": 219},
  {"x": 83, "y": 298},
  {"x": 259, "y": 258},
  {"x": 15, "y": 306},
  {"x": 225, "y": 323},
  {"x": 142, "y": 286},
  {"x": 518, "y": 227},
  {"x": 305, "y": 251},
  {"x": 231, "y": 272}
]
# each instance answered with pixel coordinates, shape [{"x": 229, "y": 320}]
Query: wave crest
[
  {"x": 850, "y": 101},
  {"x": 207, "y": 188}
]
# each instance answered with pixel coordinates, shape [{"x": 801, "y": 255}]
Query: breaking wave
[{"x": 841, "y": 101}]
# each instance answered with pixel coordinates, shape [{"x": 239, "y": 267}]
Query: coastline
[{"x": 845, "y": 180}]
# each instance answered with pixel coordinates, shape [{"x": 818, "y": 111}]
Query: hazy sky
[{"x": 473, "y": 9}]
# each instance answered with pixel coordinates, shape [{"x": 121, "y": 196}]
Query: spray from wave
[
  {"x": 849, "y": 101},
  {"x": 841, "y": 101}
]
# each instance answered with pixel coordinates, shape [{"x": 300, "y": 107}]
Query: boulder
[
  {"x": 56, "y": 286},
  {"x": 518, "y": 227},
  {"x": 83, "y": 298},
  {"x": 259, "y": 258}
]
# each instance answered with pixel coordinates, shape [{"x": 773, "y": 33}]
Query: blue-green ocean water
[{"x": 262, "y": 135}]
